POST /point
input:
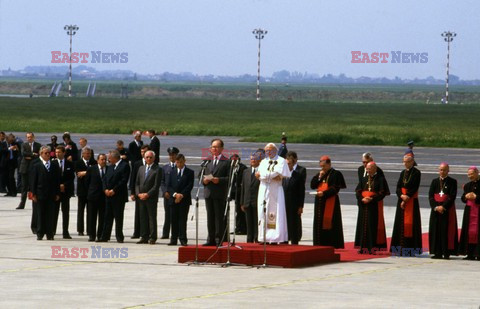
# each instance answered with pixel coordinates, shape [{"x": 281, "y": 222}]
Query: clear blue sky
[{"x": 214, "y": 36}]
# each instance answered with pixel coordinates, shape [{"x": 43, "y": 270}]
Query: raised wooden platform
[{"x": 252, "y": 254}]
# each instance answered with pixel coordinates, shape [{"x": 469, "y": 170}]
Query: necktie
[
  {"x": 47, "y": 165},
  {"x": 103, "y": 173},
  {"x": 31, "y": 146},
  {"x": 147, "y": 171},
  {"x": 215, "y": 162},
  {"x": 179, "y": 175},
  {"x": 11, "y": 152}
]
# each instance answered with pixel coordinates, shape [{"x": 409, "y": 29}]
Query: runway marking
[
  {"x": 75, "y": 263},
  {"x": 274, "y": 285}
]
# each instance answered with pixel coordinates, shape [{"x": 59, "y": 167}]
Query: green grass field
[{"x": 304, "y": 121}]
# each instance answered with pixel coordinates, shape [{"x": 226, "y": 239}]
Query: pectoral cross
[{"x": 441, "y": 193}]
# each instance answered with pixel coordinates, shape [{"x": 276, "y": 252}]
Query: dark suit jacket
[
  {"x": 27, "y": 153},
  {"x": 43, "y": 183},
  {"x": 151, "y": 184},
  {"x": 167, "y": 169},
  {"x": 155, "y": 147},
  {"x": 116, "y": 179},
  {"x": 72, "y": 151},
  {"x": 67, "y": 177},
  {"x": 3, "y": 154},
  {"x": 249, "y": 191},
  {"x": 134, "y": 151},
  {"x": 294, "y": 188},
  {"x": 222, "y": 170},
  {"x": 184, "y": 186},
  {"x": 133, "y": 176},
  {"x": 94, "y": 183},
  {"x": 82, "y": 187}
]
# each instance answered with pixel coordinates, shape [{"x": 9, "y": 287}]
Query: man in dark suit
[
  {"x": 10, "y": 162},
  {"x": 67, "y": 177},
  {"x": 249, "y": 195},
  {"x": 235, "y": 192},
  {"x": 96, "y": 197},
  {"x": 147, "y": 186},
  {"x": 167, "y": 169},
  {"x": 53, "y": 146},
  {"x": 179, "y": 186},
  {"x": 116, "y": 191},
  {"x": 215, "y": 182},
  {"x": 81, "y": 167},
  {"x": 134, "y": 148},
  {"x": 30, "y": 151},
  {"x": 154, "y": 144},
  {"x": 294, "y": 189},
  {"x": 131, "y": 186},
  {"x": 45, "y": 189},
  {"x": 3, "y": 163},
  {"x": 70, "y": 147}
]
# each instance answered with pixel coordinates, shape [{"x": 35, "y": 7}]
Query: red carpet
[
  {"x": 350, "y": 254},
  {"x": 282, "y": 255},
  {"x": 252, "y": 254}
]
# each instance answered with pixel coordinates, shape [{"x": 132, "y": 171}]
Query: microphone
[
  {"x": 205, "y": 162},
  {"x": 269, "y": 164},
  {"x": 273, "y": 166}
]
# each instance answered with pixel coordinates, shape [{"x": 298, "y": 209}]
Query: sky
[{"x": 215, "y": 36}]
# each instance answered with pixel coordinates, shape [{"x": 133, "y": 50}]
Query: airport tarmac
[{"x": 149, "y": 276}]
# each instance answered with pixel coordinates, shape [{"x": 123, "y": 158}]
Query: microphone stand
[
  {"x": 267, "y": 187},
  {"x": 202, "y": 171},
  {"x": 227, "y": 215}
]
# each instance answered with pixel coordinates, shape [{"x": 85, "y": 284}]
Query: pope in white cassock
[{"x": 270, "y": 173}]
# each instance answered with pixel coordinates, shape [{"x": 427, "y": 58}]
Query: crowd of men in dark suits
[{"x": 47, "y": 175}]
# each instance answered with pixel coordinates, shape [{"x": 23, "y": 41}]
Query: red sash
[
  {"x": 381, "y": 237},
  {"x": 452, "y": 219},
  {"x": 329, "y": 206},
  {"x": 408, "y": 215},
  {"x": 473, "y": 222}
]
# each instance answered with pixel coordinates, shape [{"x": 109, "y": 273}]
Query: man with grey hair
[
  {"x": 271, "y": 198},
  {"x": 116, "y": 192},
  {"x": 407, "y": 228},
  {"x": 147, "y": 184},
  {"x": 81, "y": 167},
  {"x": 45, "y": 191},
  {"x": 362, "y": 172}
]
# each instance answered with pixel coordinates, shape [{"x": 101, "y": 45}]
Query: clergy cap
[{"x": 325, "y": 158}]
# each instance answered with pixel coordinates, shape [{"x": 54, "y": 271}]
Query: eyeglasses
[{"x": 149, "y": 157}]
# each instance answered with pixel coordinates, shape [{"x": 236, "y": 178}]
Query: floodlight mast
[
  {"x": 71, "y": 30},
  {"x": 448, "y": 37},
  {"x": 259, "y": 35}
]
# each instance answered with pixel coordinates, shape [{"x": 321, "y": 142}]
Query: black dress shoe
[
  {"x": 120, "y": 241},
  {"x": 152, "y": 241},
  {"x": 39, "y": 238},
  {"x": 164, "y": 237},
  {"x": 436, "y": 257},
  {"x": 135, "y": 237},
  {"x": 172, "y": 244},
  {"x": 91, "y": 239},
  {"x": 183, "y": 243},
  {"x": 102, "y": 240},
  {"x": 81, "y": 234},
  {"x": 209, "y": 244},
  {"x": 446, "y": 257},
  {"x": 469, "y": 257},
  {"x": 142, "y": 241},
  {"x": 20, "y": 207},
  {"x": 67, "y": 236},
  {"x": 50, "y": 238}
]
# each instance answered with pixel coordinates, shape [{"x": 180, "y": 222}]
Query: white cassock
[{"x": 272, "y": 191}]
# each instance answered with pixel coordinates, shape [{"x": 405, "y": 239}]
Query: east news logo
[
  {"x": 97, "y": 252},
  {"x": 397, "y": 57}
]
